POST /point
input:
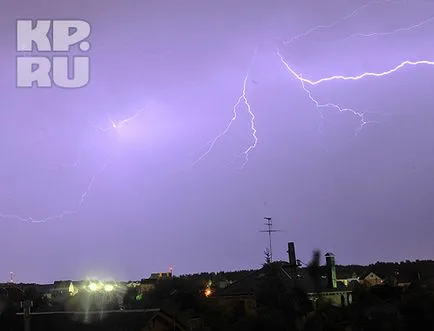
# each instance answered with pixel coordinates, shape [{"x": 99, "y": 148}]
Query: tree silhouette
[{"x": 267, "y": 256}]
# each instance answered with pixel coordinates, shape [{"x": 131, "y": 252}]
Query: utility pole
[{"x": 269, "y": 230}]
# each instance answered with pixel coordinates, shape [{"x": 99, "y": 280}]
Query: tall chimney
[
  {"x": 291, "y": 254},
  {"x": 292, "y": 260},
  {"x": 331, "y": 270}
]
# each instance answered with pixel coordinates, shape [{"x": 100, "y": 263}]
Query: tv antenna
[
  {"x": 11, "y": 279},
  {"x": 269, "y": 230}
]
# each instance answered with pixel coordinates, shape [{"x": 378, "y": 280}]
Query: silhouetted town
[{"x": 282, "y": 295}]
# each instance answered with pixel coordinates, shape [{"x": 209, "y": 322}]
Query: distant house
[
  {"x": 148, "y": 284},
  {"x": 242, "y": 294},
  {"x": 371, "y": 279},
  {"x": 347, "y": 280},
  {"x": 331, "y": 291},
  {"x": 161, "y": 275}
]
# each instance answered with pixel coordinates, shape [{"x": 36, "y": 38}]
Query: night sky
[{"x": 127, "y": 201}]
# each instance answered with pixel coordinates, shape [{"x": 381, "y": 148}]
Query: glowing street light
[
  {"x": 93, "y": 287},
  {"x": 108, "y": 287},
  {"x": 208, "y": 292}
]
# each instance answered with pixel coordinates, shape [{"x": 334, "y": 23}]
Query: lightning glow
[
  {"x": 116, "y": 125},
  {"x": 124, "y": 122}
]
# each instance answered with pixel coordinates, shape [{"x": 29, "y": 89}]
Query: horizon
[{"x": 90, "y": 279}]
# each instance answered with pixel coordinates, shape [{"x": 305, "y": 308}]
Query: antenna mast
[{"x": 269, "y": 230}]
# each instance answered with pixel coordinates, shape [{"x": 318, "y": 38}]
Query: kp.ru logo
[{"x": 52, "y": 36}]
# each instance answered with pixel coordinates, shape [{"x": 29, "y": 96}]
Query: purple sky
[{"x": 364, "y": 195}]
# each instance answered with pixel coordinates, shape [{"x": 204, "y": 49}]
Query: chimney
[
  {"x": 291, "y": 254},
  {"x": 292, "y": 260},
  {"x": 331, "y": 270}
]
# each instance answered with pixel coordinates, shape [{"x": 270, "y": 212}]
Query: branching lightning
[
  {"x": 357, "y": 77},
  {"x": 76, "y": 210},
  {"x": 244, "y": 101},
  {"x": 337, "y": 22},
  {"x": 360, "y": 115},
  {"x": 388, "y": 33},
  {"x": 252, "y": 126},
  {"x": 321, "y": 106},
  {"x": 223, "y": 133},
  {"x": 84, "y": 195},
  {"x": 241, "y": 100},
  {"x": 305, "y": 81}
]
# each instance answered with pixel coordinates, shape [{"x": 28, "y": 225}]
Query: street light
[{"x": 108, "y": 287}]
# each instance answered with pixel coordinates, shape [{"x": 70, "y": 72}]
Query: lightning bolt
[
  {"x": 388, "y": 33},
  {"x": 319, "y": 106},
  {"x": 124, "y": 122},
  {"x": 305, "y": 81},
  {"x": 76, "y": 210},
  {"x": 88, "y": 188},
  {"x": 252, "y": 124},
  {"x": 117, "y": 124},
  {"x": 353, "y": 78},
  {"x": 337, "y": 22},
  {"x": 242, "y": 99}
]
